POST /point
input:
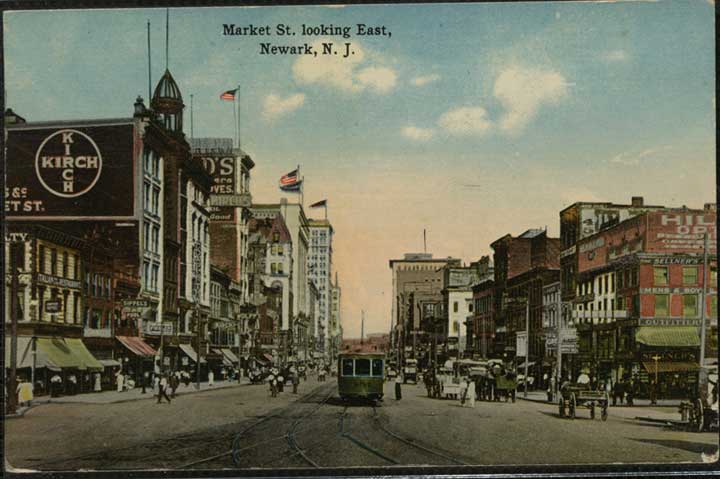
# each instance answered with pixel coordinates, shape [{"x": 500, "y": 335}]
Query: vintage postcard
[{"x": 367, "y": 239}]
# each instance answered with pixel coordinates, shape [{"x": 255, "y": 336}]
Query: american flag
[
  {"x": 290, "y": 181},
  {"x": 228, "y": 95}
]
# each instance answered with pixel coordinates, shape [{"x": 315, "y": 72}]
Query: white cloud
[
  {"x": 465, "y": 120},
  {"x": 615, "y": 56},
  {"x": 380, "y": 79},
  {"x": 274, "y": 107},
  {"x": 425, "y": 79},
  {"x": 522, "y": 91},
  {"x": 341, "y": 73},
  {"x": 416, "y": 133},
  {"x": 633, "y": 158}
]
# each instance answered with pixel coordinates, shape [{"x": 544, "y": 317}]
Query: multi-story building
[
  {"x": 297, "y": 225},
  {"x": 270, "y": 267},
  {"x": 335, "y": 326},
  {"x": 457, "y": 300},
  {"x": 523, "y": 265},
  {"x": 639, "y": 298},
  {"x": 320, "y": 273},
  {"x": 417, "y": 317},
  {"x": 481, "y": 325}
]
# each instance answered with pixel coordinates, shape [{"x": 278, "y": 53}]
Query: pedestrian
[
  {"x": 618, "y": 392},
  {"x": 295, "y": 382},
  {"x": 280, "y": 383},
  {"x": 55, "y": 385},
  {"x": 470, "y": 392},
  {"x": 98, "y": 383},
  {"x": 653, "y": 392},
  {"x": 273, "y": 385},
  {"x": 186, "y": 378},
  {"x": 24, "y": 392},
  {"x": 223, "y": 374},
  {"x": 145, "y": 381},
  {"x": 174, "y": 383},
  {"x": 120, "y": 381},
  {"x": 211, "y": 378},
  {"x": 156, "y": 382},
  {"x": 630, "y": 392},
  {"x": 72, "y": 384},
  {"x": 162, "y": 389},
  {"x": 398, "y": 387}
]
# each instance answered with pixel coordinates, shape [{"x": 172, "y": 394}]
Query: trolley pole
[
  {"x": 14, "y": 287},
  {"x": 558, "y": 374},
  {"x": 197, "y": 354}
]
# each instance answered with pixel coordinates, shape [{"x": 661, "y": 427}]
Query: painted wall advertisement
[
  {"x": 681, "y": 232},
  {"x": 75, "y": 172}
]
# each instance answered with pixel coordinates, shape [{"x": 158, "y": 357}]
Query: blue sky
[{"x": 540, "y": 104}]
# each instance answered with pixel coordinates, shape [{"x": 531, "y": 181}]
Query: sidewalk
[
  {"x": 541, "y": 396},
  {"x": 112, "y": 397}
]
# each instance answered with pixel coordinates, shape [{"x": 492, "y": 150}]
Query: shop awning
[
  {"x": 225, "y": 360},
  {"x": 230, "y": 355},
  {"x": 190, "y": 352},
  {"x": 109, "y": 363},
  {"x": 137, "y": 345},
  {"x": 24, "y": 352},
  {"x": 79, "y": 350},
  {"x": 55, "y": 353},
  {"x": 670, "y": 366},
  {"x": 668, "y": 336}
]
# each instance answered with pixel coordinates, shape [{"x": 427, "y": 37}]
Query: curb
[{"x": 151, "y": 395}]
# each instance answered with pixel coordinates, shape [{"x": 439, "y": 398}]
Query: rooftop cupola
[{"x": 168, "y": 104}]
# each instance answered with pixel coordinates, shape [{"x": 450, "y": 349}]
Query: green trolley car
[{"x": 361, "y": 376}]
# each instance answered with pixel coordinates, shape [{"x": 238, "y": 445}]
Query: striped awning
[
  {"x": 668, "y": 336},
  {"x": 137, "y": 346},
  {"x": 230, "y": 355},
  {"x": 190, "y": 352}
]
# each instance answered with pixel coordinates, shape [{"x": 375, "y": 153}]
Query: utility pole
[
  {"x": 703, "y": 298},
  {"x": 14, "y": 287},
  {"x": 560, "y": 321},
  {"x": 527, "y": 342},
  {"x": 362, "y": 326},
  {"x": 198, "y": 326}
]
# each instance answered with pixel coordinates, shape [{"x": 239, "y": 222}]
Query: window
[
  {"x": 690, "y": 305},
  {"x": 456, "y": 327},
  {"x": 53, "y": 261},
  {"x": 620, "y": 304},
  {"x": 607, "y": 279},
  {"x": 156, "y": 166},
  {"x": 147, "y": 161},
  {"x": 713, "y": 278},
  {"x": 347, "y": 367},
  {"x": 77, "y": 267},
  {"x": 634, "y": 277},
  {"x": 155, "y": 200},
  {"x": 660, "y": 275},
  {"x": 690, "y": 275},
  {"x": 362, "y": 367},
  {"x": 146, "y": 196},
  {"x": 65, "y": 265},
  {"x": 146, "y": 235},
  {"x": 713, "y": 306},
  {"x": 620, "y": 279},
  {"x": 273, "y": 268},
  {"x": 455, "y": 307},
  {"x": 661, "y": 304},
  {"x": 377, "y": 367}
]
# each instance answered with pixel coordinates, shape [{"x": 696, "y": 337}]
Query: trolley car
[{"x": 361, "y": 376}]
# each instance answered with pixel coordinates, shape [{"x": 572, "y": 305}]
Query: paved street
[{"x": 243, "y": 427}]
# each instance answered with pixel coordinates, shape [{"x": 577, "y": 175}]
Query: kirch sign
[{"x": 70, "y": 172}]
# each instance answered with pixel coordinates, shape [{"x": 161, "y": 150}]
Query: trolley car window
[
  {"x": 362, "y": 367},
  {"x": 347, "y": 367},
  {"x": 377, "y": 367}
]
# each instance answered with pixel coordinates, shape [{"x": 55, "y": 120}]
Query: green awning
[
  {"x": 80, "y": 351},
  {"x": 670, "y": 336}
]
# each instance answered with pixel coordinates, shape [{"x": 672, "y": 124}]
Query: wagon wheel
[
  {"x": 571, "y": 406},
  {"x": 697, "y": 420},
  {"x": 604, "y": 407},
  {"x": 592, "y": 410},
  {"x": 561, "y": 407}
]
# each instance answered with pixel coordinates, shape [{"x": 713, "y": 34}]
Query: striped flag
[
  {"x": 228, "y": 95},
  {"x": 290, "y": 181}
]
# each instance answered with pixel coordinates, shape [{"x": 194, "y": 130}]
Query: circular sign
[{"x": 68, "y": 163}]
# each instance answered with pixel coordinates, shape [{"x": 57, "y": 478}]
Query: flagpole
[
  {"x": 237, "y": 125},
  {"x": 325, "y": 209},
  {"x": 235, "y": 118}
]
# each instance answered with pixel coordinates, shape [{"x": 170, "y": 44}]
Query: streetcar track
[
  {"x": 358, "y": 442},
  {"x": 376, "y": 417}
]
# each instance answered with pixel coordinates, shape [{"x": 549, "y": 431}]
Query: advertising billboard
[
  {"x": 681, "y": 231},
  {"x": 70, "y": 172}
]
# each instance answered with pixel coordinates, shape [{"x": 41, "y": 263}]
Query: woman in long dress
[
  {"x": 120, "y": 381},
  {"x": 98, "y": 384}
]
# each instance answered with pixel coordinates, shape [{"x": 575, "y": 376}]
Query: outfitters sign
[{"x": 75, "y": 172}]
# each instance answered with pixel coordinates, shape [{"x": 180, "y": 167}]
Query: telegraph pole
[
  {"x": 527, "y": 342},
  {"x": 14, "y": 287},
  {"x": 362, "y": 327},
  {"x": 558, "y": 375},
  {"x": 703, "y": 299}
]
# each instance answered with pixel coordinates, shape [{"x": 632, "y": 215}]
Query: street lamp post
[{"x": 527, "y": 343}]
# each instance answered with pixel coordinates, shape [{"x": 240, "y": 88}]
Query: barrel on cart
[{"x": 574, "y": 396}]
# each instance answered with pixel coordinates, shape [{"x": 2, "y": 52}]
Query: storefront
[
  {"x": 188, "y": 362},
  {"x": 137, "y": 359},
  {"x": 668, "y": 357}
]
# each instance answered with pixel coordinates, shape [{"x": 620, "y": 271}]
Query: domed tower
[{"x": 168, "y": 104}]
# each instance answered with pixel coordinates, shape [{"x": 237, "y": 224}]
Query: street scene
[{"x": 360, "y": 236}]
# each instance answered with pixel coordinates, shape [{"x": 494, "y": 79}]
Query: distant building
[{"x": 320, "y": 273}]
